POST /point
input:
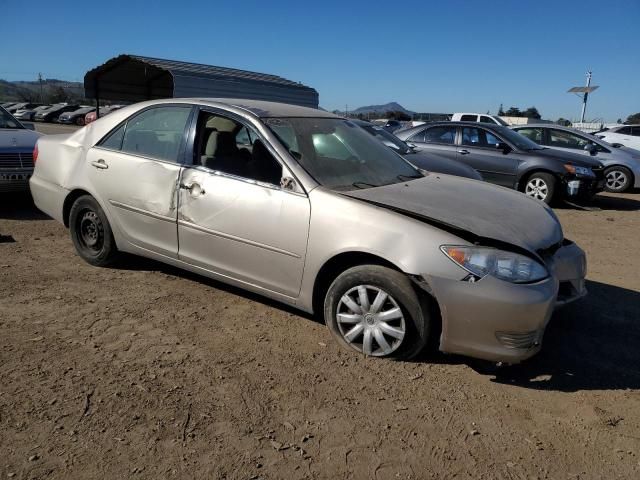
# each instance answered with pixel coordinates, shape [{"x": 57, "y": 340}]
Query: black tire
[
  {"x": 91, "y": 233},
  {"x": 618, "y": 179},
  {"x": 541, "y": 186},
  {"x": 416, "y": 321},
  {"x": 80, "y": 121}
]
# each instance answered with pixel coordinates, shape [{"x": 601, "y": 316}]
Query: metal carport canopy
[{"x": 133, "y": 78}]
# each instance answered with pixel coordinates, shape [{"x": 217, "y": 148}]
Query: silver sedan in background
[{"x": 307, "y": 208}]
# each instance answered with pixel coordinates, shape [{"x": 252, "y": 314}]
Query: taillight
[{"x": 35, "y": 153}]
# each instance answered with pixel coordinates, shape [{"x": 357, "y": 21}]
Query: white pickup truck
[{"x": 478, "y": 117}]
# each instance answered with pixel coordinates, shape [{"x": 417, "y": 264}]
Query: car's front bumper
[{"x": 505, "y": 322}]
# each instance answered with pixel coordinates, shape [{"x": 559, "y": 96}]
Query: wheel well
[
  {"x": 68, "y": 203},
  {"x": 335, "y": 266},
  {"x": 525, "y": 176}
]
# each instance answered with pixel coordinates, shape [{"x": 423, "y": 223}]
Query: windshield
[
  {"x": 389, "y": 139},
  {"x": 520, "y": 141},
  {"x": 340, "y": 155},
  {"x": 7, "y": 120}
]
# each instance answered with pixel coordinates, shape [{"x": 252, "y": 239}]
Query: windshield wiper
[
  {"x": 409, "y": 177},
  {"x": 360, "y": 185}
]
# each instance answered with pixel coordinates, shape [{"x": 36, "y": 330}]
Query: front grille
[
  {"x": 519, "y": 340},
  {"x": 16, "y": 160}
]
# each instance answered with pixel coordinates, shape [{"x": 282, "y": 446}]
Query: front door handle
[
  {"x": 194, "y": 188},
  {"x": 100, "y": 164},
  {"x": 463, "y": 152}
]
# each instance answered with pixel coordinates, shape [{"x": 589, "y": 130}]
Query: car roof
[{"x": 264, "y": 109}]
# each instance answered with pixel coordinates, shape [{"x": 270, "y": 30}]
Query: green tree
[
  {"x": 532, "y": 112},
  {"x": 513, "y": 112},
  {"x": 633, "y": 119}
]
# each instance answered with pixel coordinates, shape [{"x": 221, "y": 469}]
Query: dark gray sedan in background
[
  {"x": 425, "y": 161},
  {"x": 506, "y": 158}
]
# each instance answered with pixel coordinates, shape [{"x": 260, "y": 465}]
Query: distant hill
[
  {"x": 53, "y": 90},
  {"x": 387, "y": 107}
]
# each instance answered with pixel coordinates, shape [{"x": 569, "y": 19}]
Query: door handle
[
  {"x": 100, "y": 164},
  {"x": 193, "y": 188},
  {"x": 463, "y": 152}
]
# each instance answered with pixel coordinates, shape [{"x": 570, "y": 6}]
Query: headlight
[
  {"x": 508, "y": 266},
  {"x": 578, "y": 170}
]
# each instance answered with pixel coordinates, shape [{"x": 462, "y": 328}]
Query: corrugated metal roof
[
  {"x": 136, "y": 78},
  {"x": 186, "y": 68}
]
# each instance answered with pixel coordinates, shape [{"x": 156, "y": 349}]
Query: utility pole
[
  {"x": 40, "y": 80},
  {"x": 584, "y": 98},
  {"x": 346, "y": 110},
  {"x": 585, "y": 91}
]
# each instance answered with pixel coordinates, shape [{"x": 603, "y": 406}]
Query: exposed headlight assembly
[
  {"x": 584, "y": 171},
  {"x": 507, "y": 266}
]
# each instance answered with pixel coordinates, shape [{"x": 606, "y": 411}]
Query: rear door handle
[
  {"x": 463, "y": 152},
  {"x": 100, "y": 164}
]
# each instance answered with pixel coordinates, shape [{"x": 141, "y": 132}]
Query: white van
[{"x": 478, "y": 117}]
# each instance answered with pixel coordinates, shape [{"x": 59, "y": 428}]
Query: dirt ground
[{"x": 145, "y": 371}]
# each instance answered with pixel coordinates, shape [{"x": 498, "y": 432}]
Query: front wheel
[
  {"x": 541, "y": 186},
  {"x": 80, "y": 121},
  {"x": 376, "y": 311},
  {"x": 618, "y": 179},
  {"x": 91, "y": 233}
]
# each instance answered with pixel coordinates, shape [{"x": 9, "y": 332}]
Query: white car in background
[
  {"x": 627, "y": 135},
  {"x": 478, "y": 117}
]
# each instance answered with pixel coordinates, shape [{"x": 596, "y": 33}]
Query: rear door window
[
  {"x": 157, "y": 133},
  {"x": 469, "y": 118},
  {"x": 441, "y": 134},
  {"x": 635, "y": 131}
]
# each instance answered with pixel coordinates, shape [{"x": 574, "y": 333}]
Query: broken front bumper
[{"x": 501, "y": 321}]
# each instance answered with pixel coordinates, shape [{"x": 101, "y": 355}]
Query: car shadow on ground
[
  {"x": 592, "y": 344},
  {"x": 137, "y": 263},
  {"x": 623, "y": 202},
  {"x": 19, "y": 206}
]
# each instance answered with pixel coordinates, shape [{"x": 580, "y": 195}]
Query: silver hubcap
[
  {"x": 370, "y": 320},
  {"x": 616, "y": 179},
  {"x": 537, "y": 188}
]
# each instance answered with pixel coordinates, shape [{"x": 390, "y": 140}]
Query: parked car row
[
  {"x": 506, "y": 158},
  {"x": 70, "y": 114},
  {"x": 313, "y": 210}
]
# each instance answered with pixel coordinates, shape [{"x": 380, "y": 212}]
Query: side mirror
[
  {"x": 503, "y": 146},
  {"x": 591, "y": 148},
  {"x": 29, "y": 125}
]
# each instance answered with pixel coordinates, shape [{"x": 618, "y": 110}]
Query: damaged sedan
[{"x": 307, "y": 208}]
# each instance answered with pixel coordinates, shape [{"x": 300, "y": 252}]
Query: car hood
[
  {"x": 566, "y": 157},
  {"x": 485, "y": 211},
  {"x": 438, "y": 164},
  {"x": 18, "y": 139}
]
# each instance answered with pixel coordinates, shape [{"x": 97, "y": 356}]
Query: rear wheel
[
  {"x": 541, "y": 186},
  {"x": 91, "y": 233},
  {"x": 618, "y": 179},
  {"x": 376, "y": 311}
]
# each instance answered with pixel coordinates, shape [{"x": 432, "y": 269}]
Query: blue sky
[{"x": 430, "y": 56}]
